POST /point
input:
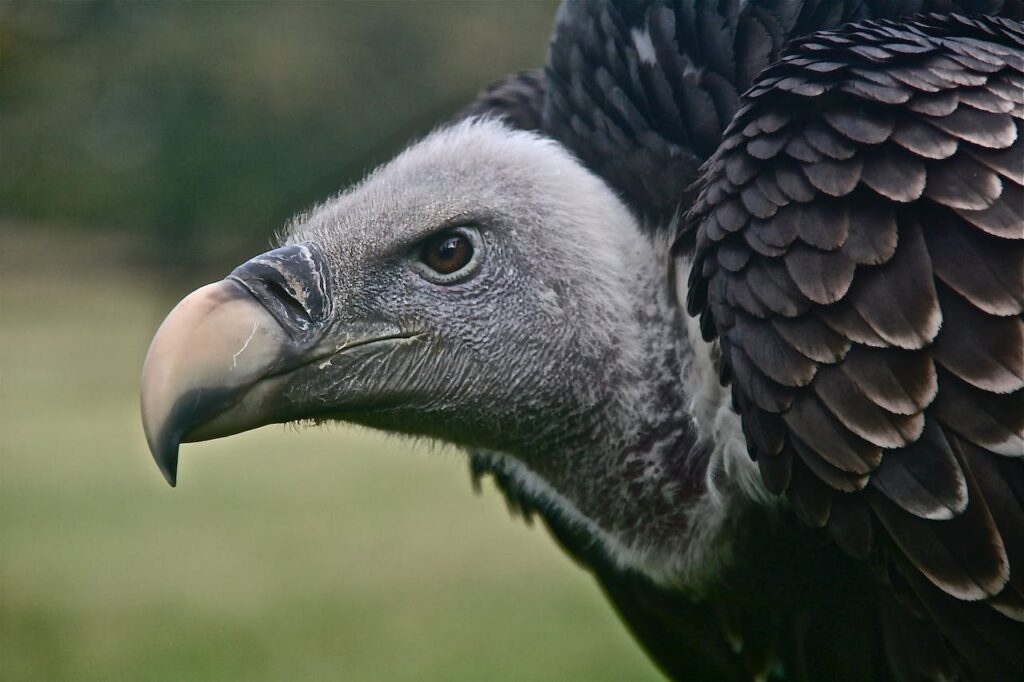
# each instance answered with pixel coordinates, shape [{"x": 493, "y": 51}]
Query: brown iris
[{"x": 447, "y": 252}]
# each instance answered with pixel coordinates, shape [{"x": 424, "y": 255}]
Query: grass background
[
  {"x": 282, "y": 555},
  {"x": 168, "y": 141}
]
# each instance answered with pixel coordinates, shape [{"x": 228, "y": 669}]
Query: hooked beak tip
[
  {"x": 167, "y": 461},
  {"x": 164, "y": 449}
]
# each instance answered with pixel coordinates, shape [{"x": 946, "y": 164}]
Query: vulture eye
[{"x": 449, "y": 256}]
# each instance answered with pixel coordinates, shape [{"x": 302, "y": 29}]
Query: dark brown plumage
[
  {"x": 902, "y": 422},
  {"x": 858, "y": 255},
  {"x": 860, "y": 258}
]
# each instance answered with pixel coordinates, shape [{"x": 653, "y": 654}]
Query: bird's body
[{"x": 755, "y": 359}]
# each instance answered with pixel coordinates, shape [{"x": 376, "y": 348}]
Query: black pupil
[{"x": 448, "y": 253}]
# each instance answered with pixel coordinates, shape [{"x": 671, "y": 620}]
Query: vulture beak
[{"x": 218, "y": 363}]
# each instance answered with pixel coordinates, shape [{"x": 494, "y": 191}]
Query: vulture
[{"x": 729, "y": 293}]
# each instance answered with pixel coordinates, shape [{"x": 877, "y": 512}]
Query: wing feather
[
  {"x": 885, "y": 395},
  {"x": 861, "y": 205}
]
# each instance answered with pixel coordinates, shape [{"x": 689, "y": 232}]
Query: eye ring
[{"x": 449, "y": 256}]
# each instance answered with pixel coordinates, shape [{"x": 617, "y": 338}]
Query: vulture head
[{"x": 483, "y": 289}]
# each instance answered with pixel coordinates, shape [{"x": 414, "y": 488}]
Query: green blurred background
[{"x": 146, "y": 148}]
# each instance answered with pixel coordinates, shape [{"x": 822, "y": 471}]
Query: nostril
[
  {"x": 289, "y": 282},
  {"x": 277, "y": 291}
]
